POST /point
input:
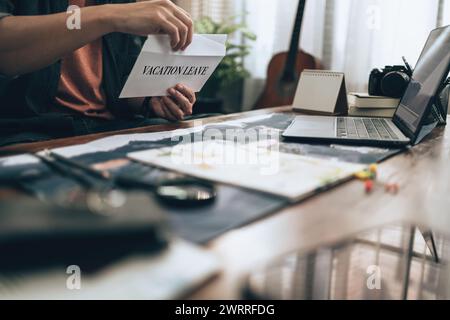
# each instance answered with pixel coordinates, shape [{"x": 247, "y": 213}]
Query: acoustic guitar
[{"x": 285, "y": 68}]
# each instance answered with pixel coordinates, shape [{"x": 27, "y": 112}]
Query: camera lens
[{"x": 394, "y": 84}]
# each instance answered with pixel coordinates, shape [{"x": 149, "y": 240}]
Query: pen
[
  {"x": 121, "y": 180},
  {"x": 73, "y": 173},
  {"x": 104, "y": 175}
]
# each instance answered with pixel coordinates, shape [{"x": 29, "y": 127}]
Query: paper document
[
  {"x": 253, "y": 166},
  {"x": 159, "y": 68}
]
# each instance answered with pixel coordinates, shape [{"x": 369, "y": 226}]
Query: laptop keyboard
[{"x": 364, "y": 128}]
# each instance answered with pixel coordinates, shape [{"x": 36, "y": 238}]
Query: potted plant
[{"x": 225, "y": 86}]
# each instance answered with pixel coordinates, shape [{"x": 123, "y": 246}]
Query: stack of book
[{"x": 364, "y": 105}]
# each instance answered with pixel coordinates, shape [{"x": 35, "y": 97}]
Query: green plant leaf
[{"x": 232, "y": 68}]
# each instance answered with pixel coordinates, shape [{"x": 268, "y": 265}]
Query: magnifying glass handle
[{"x": 133, "y": 183}]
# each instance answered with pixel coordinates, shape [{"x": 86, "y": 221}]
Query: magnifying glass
[
  {"x": 186, "y": 192},
  {"x": 177, "y": 191}
]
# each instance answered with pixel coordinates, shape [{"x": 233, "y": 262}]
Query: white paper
[
  {"x": 291, "y": 176},
  {"x": 23, "y": 159},
  {"x": 74, "y": 151},
  {"x": 159, "y": 68},
  {"x": 117, "y": 141}
]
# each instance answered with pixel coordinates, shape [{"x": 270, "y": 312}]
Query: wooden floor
[{"x": 423, "y": 173}]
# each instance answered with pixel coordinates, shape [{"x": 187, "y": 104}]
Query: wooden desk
[{"x": 423, "y": 173}]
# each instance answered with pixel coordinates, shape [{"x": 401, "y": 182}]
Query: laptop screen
[{"x": 431, "y": 69}]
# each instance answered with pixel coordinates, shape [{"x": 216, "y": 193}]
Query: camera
[{"x": 391, "y": 81}]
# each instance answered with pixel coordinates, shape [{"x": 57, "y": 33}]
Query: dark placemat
[{"x": 234, "y": 207}]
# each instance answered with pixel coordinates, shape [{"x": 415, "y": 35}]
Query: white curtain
[
  {"x": 273, "y": 22},
  {"x": 352, "y": 36},
  {"x": 215, "y": 9},
  {"x": 375, "y": 33}
]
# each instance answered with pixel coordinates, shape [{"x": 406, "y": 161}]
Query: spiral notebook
[{"x": 321, "y": 92}]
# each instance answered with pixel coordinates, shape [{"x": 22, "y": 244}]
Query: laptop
[{"x": 430, "y": 73}]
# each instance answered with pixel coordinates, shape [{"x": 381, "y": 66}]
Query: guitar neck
[{"x": 295, "y": 40}]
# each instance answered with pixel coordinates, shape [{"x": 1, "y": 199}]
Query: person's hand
[
  {"x": 154, "y": 17},
  {"x": 177, "y": 105}
]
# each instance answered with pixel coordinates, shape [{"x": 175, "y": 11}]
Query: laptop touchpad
[{"x": 313, "y": 126}]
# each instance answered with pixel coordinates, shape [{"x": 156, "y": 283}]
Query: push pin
[
  {"x": 392, "y": 188},
  {"x": 373, "y": 169},
  {"x": 364, "y": 175},
  {"x": 368, "y": 174},
  {"x": 369, "y": 186}
]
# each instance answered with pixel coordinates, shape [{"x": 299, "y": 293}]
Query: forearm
[
  {"x": 34, "y": 42},
  {"x": 29, "y": 43}
]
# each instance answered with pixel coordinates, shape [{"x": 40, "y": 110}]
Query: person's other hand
[
  {"x": 154, "y": 17},
  {"x": 177, "y": 105}
]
